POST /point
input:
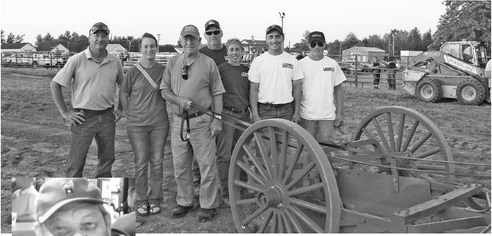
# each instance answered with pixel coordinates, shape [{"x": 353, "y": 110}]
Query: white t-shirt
[
  {"x": 275, "y": 75},
  {"x": 320, "y": 79}
]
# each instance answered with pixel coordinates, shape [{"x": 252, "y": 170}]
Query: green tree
[
  {"x": 414, "y": 39},
  {"x": 350, "y": 41},
  {"x": 469, "y": 20},
  {"x": 10, "y": 38},
  {"x": 3, "y": 37},
  {"x": 426, "y": 41}
]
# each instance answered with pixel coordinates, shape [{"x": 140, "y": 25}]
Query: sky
[{"x": 242, "y": 19}]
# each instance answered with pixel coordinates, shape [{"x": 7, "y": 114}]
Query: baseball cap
[
  {"x": 58, "y": 192},
  {"x": 212, "y": 22},
  {"x": 190, "y": 30},
  {"x": 316, "y": 35},
  {"x": 99, "y": 26},
  {"x": 274, "y": 27}
]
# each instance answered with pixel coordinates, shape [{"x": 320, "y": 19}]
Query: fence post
[{"x": 356, "y": 79}]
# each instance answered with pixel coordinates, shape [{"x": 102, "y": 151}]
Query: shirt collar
[{"x": 108, "y": 58}]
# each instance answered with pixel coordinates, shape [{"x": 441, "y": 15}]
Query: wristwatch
[{"x": 217, "y": 116}]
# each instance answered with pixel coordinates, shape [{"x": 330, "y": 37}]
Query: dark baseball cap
[
  {"x": 274, "y": 27},
  {"x": 58, "y": 192},
  {"x": 316, "y": 35},
  {"x": 212, "y": 22},
  {"x": 190, "y": 30},
  {"x": 99, "y": 26}
]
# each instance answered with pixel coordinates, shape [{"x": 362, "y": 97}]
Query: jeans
[
  {"x": 391, "y": 74},
  {"x": 148, "y": 147},
  {"x": 269, "y": 112},
  {"x": 102, "y": 128},
  {"x": 226, "y": 140},
  {"x": 321, "y": 130},
  {"x": 202, "y": 146}
]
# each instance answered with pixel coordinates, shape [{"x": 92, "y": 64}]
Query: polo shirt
[
  {"x": 202, "y": 84},
  {"x": 93, "y": 85},
  {"x": 24, "y": 201}
]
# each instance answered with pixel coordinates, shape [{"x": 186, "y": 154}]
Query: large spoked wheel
[
  {"x": 280, "y": 180},
  {"x": 405, "y": 132}
]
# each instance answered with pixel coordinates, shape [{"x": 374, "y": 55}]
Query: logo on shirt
[
  {"x": 287, "y": 65},
  {"x": 328, "y": 69},
  {"x": 244, "y": 74}
]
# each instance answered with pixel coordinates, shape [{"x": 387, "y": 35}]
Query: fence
[{"x": 47, "y": 60}]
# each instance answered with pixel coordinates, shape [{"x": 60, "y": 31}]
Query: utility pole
[{"x": 158, "y": 41}]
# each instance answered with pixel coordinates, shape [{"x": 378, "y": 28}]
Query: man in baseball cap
[
  {"x": 71, "y": 207},
  {"x": 99, "y": 26},
  {"x": 276, "y": 28}
]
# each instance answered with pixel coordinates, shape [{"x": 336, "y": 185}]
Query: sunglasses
[
  {"x": 214, "y": 32},
  {"x": 184, "y": 72},
  {"x": 314, "y": 43}
]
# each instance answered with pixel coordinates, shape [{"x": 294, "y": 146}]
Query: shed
[
  {"x": 116, "y": 50},
  {"x": 364, "y": 54},
  {"x": 18, "y": 48},
  {"x": 253, "y": 46}
]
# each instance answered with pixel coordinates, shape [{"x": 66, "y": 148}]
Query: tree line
[{"x": 463, "y": 20}]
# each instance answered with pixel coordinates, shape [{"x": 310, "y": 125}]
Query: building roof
[
  {"x": 111, "y": 47},
  {"x": 166, "y": 48},
  {"x": 367, "y": 49},
  {"x": 45, "y": 47},
  {"x": 253, "y": 42},
  {"x": 14, "y": 45}
]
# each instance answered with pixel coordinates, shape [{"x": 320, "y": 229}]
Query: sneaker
[
  {"x": 180, "y": 211},
  {"x": 206, "y": 214}
]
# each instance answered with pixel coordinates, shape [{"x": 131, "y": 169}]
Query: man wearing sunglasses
[
  {"x": 191, "y": 82},
  {"x": 214, "y": 49},
  {"x": 321, "y": 89},
  {"x": 274, "y": 90},
  {"x": 93, "y": 76}
]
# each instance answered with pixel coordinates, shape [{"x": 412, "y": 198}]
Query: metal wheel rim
[
  {"x": 277, "y": 200},
  {"x": 427, "y": 91},
  {"x": 468, "y": 93},
  {"x": 405, "y": 141}
]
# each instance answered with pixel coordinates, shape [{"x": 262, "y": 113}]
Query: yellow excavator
[{"x": 455, "y": 71}]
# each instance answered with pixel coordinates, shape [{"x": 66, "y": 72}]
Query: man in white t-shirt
[
  {"x": 322, "y": 94},
  {"x": 274, "y": 93}
]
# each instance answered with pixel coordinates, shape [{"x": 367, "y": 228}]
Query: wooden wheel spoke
[
  {"x": 428, "y": 153},
  {"x": 381, "y": 135},
  {"x": 410, "y": 135},
  {"x": 309, "y": 205},
  {"x": 367, "y": 133},
  {"x": 420, "y": 142},
  {"x": 264, "y": 155},
  {"x": 252, "y": 174},
  {"x": 280, "y": 224},
  {"x": 311, "y": 224},
  {"x": 283, "y": 154},
  {"x": 250, "y": 186},
  {"x": 390, "y": 131},
  {"x": 252, "y": 200},
  {"x": 273, "y": 228},
  {"x": 301, "y": 175},
  {"x": 401, "y": 127},
  {"x": 293, "y": 219},
  {"x": 264, "y": 224},
  {"x": 293, "y": 163},
  {"x": 253, "y": 215},
  {"x": 305, "y": 189},
  {"x": 288, "y": 227},
  {"x": 256, "y": 162},
  {"x": 273, "y": 151}
]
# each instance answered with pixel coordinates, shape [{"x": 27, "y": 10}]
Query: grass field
[{"x": 35, "y": 140}]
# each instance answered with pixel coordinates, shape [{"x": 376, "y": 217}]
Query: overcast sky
[{"x": 238, "y": 18}]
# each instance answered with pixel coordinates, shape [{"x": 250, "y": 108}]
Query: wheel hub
[
  {"x": 272, "y": 197},
  {"x": 469, "y": 93},
  {"x": 427, "y": 91}
]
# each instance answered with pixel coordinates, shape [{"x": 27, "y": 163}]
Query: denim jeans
[
  {"x": 201, "y": 146},
  {"x": 102, "y": 128},
  {"x": 321, "y": 130},
  {"x": 148, "y": 147},
  {"x": 226, "y": 141},
  {"x": 269, "y": 112}
]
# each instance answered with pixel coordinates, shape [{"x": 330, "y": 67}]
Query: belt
[
  {"x": 236, "y": 110},
  {"x": 93, "y": 112},
  {"x": 275, "y": 105},
  {"x": 196, "y": 114}
]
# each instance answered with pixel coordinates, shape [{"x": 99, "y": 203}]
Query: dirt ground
[{"x": 35, "y": 141}]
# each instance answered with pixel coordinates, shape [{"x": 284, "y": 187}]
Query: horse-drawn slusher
[{"x": 396, "y": 174}]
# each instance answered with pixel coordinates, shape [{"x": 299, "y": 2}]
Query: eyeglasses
[
  {"x": 215, "y": 32},
  {"x": 184, "y": 72},
  {"x": 319, "y": 43}
]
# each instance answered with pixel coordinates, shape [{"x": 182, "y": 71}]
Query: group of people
[
  {"x": 200, "y": 80},
  {"x": 389, "y": 62}
]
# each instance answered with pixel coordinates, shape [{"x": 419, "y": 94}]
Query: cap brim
[{"x": 59, "y": 205}]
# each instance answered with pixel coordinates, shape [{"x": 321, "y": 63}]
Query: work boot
[
  {"x": 205, "y": 215},
  {"x": 180, "y": 211}
]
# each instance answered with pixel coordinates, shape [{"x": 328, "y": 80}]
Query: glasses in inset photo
[
  {"x": 320, "y": 44},
  {"x": 184, "y": 72},
  {"x": 215, "y": 32}
]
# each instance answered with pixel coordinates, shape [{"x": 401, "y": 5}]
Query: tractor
[{"x": 455, "y": 71}]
